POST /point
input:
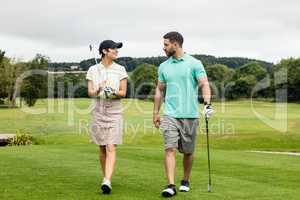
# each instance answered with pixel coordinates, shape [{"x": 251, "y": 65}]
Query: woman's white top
[{"x": 112, "y": 75}]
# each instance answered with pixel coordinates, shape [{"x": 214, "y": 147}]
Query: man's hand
[
  {"x": 208, "y": 110},
  {"x": 159, "y": 91},
  {"x": 156, "y": 120},
  {"x": 206, "y": 93}
]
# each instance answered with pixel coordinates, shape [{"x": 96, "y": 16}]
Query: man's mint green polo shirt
[{"x": 181, "y": 78}]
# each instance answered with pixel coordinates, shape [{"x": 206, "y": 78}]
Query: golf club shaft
[
  {"x": 93, "y": 53},
  {"x": 208, "y": 155},
  {"x": 95, "y": 58}
]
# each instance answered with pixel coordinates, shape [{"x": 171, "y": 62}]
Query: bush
[{"x": 21, "y": 139}]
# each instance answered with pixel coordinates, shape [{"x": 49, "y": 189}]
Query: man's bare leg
[{"x": 187, "y": 166}]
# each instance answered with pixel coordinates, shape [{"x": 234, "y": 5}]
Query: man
[{"x": 179, "y": 77}]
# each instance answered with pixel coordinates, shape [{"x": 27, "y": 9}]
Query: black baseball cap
[{"x": 109, "y": 44}]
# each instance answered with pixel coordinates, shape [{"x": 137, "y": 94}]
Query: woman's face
[{"x": 111, "y": 53}]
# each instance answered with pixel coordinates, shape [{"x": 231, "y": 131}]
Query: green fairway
[
  {"x": 233, "y": 126},
  {"x": 72, "y": 172},
  {"x": 65, "y": 165}
]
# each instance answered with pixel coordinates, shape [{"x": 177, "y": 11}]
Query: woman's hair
[{"x": 102, "y": 54}]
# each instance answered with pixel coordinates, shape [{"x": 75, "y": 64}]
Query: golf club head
[{"x": 209, "y": 188}]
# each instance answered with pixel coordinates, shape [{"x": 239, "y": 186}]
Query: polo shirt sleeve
[
  {"x": 161, "y": 76},
  {"x": 89, "y": 75},
  {"x": 123, "y": 73},
  {"x": 198, "y": 70}
]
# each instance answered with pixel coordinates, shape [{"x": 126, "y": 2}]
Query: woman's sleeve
[
  {"x": 123, "y": 73},
  {"x": 89, "y": 75}
]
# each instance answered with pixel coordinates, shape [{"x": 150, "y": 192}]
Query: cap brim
[{"x": 118, "y": 45}]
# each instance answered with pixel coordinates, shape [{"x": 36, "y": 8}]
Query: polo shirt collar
[{"x": 174, "y": 60}]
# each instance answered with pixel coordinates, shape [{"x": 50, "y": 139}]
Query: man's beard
[{"x": 170, "y": 53}]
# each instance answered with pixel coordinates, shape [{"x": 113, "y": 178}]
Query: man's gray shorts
[{"x": 179, "y": 133}]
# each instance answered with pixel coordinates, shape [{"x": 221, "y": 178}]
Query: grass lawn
[{"x": 65, "y": 165}]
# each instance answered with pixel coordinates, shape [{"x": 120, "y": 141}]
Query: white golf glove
[
  {"x": 109, "y": 92},
  {"x": 208, "y": 110}
]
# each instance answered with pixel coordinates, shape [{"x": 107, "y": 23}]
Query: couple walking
[{"x": 178, "y": 80}]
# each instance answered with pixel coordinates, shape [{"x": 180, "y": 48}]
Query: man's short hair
[{"x": 174, "y": 37}]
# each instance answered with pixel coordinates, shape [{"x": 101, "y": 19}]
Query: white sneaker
[
  {"x": 184, "y": 186},
  {"x": 106, "y": 186},
  {"x": 169, "y": 191}
]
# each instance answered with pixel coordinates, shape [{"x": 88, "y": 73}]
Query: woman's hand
[
  {"x": 100, "y": 87},
  {"x": 94, "y": 91}
]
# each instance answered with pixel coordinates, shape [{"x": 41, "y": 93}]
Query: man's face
[{"x": 169, "y": 47}]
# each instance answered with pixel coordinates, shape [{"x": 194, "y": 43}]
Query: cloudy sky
[{"x": 63, "y": 29}]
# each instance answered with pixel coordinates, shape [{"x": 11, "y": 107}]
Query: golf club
[
  {"x": 95, "y": 57},
  {"x": 93, "y": 53},
  {"x": 208, "y": 154}
]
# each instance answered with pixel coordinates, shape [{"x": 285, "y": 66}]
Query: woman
[{"x": 107, "y": 81}]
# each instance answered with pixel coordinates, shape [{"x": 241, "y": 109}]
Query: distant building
[
  {"x": 74, "y": 67},
  {"x": 67, "y": 72}
]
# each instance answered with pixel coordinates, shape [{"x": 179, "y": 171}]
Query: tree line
[{"x": 132, "y": 63}]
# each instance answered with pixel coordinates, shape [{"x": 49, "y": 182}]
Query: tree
[
  {"x": 2, "y": 53},
  {"x": 35, "y": 86},
  {"x": 251, "y": 68},
  {"x": 245, "y": 79},
  {"x": 144, "y": 79},
  {"x": 9, "y": 72},
  {"x": 3, "y": 80},
  {"x": 287, "y": 76},
  {"x": 243, "y": 87},
  {"x": 77, "y": 81},
  {"x": 219, "y": 75},
  {"x": 219, "y": 72}
]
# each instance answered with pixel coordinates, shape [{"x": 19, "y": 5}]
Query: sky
[{"x": 63, "y": 29}]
